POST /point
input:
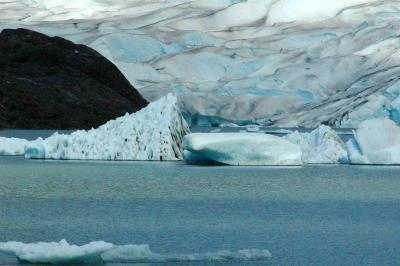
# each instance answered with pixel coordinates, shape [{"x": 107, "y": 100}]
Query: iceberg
[
  {"x": 153, "y": 133},
  {"x": 57, "y": 252},
  {"x": 99, "y": 252},
  {"x": 143, "y": 254},
  {"x": 321, "y": 146},
  {"x": 12, "y": 146},
  {"x": 376, "y": 141},
  {"x": 241, "y": 149},
  {"x": 194, "y": 158}
]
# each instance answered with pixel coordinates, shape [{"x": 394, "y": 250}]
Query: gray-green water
[{"x": 314, "y": 215}]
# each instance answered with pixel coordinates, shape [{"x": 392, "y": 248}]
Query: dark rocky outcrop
[{"x": 52, "y": 83}]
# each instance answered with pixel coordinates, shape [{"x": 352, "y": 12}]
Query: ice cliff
[
  {"x": 153, "y": 133},
  {"x": 283, "y": 63}
]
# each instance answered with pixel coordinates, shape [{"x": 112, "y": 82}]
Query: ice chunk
[
  {"x": 194, "y": 158},
  {"x": 228, "y": 125},
  {"x": 321, "y": 146},
  {"x": 56, "y": 252},
  {"x": 129, "y": 253},
  {"x": 143, "y": 254},
  {"x": 12, "y": 146},
  {"x": 153, "y": 133},
  {"x": 280, "y": 131},
  {"x": 243, "y": 148},
  {"x": 101, "y": 252},
  {"x": 376, "y": 141},
  {"x": 252, "y": 128}
]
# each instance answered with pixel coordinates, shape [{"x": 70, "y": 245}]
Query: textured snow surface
[
  {"x": 12, "y": 146},
  {"x": 283, "y": 63},
  {"x": 241, "y": 149},
  {"x": 321, "y": 146},
  {"x": 153, "y": 133},
  {"x": 102, "y": 252},
  {"x": 376, "y": 141}
]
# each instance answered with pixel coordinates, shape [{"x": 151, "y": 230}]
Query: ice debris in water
[
  {"x": 241, "y": 149},
  {"x": 153, "y": 133},
  {"x": 103, "y": 252},
  {"x": 321, "y": 146}
]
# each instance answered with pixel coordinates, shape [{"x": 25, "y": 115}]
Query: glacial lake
[{"x": 312, "y": 215}]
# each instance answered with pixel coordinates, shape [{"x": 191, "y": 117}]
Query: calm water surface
[{"x": 314, "y": 215}]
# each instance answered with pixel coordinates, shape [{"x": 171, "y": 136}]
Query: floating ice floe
[
  {"x": 12, "y": 146},
  {"x": 376, "y": 141},
  {"x": 217, "y": 130},
  {"x": 103, "y": 252},
  {"x": 194, "y": 158},
  {"x": 321, "y": 146},
  {"x": 280, "y": 131},
  {"x": 153, "y": 133},
  {"x": 252, "y": 128},
  {"x": 143, "y": 254},
  {"x": 241, "y": 149},
  {"x": 56, "y": 252},
  {"x": 228, "y": 125}
]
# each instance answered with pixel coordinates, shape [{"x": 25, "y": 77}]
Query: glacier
[
  {"x": 254, "y": 149},
  {"x": 282, "y": 63},
  {"x": 376, "y": 141},
  {"x": 100, "y": 252},
  {"x": 12, "y": 146},
  {"x": 153, "y": 133},
  {"x": 321, "y": 146}
]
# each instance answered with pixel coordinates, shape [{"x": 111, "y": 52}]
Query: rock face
[{"x": 53, "y": 83}]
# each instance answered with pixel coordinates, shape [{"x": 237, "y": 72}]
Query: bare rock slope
[{"x": 49, "y": 82}]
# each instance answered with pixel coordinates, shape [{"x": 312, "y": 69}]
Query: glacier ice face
[
  {"x": 99, "y": 252},
  {"x": 12, "y": 146},
  {"x": 285, "y": 11},
  {"x": 321, "y": 146},
  {"x": 283, "y": 63},
  {"x": 57, "y": 252},
  {"x": 153, "y": 133},
  {"x": 376, "y": 141},
  {"x": 241, "y": 149}
]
